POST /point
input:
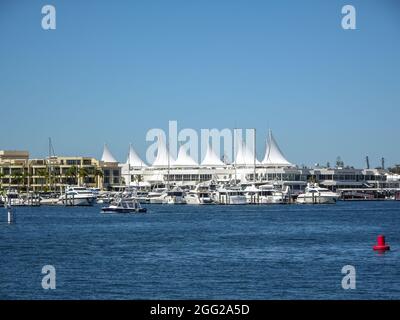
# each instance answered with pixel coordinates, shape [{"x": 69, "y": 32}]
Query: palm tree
[
  {"x": 18, "y": 178},
  {"x": 98, "y": 174},
  {"x": 2, "y": 175},
  {"x": 43, "y": 174},
  {"x": 82, "y": 174},
  {"x": 138, "y": 178},
  {"x": 71, "y": 173}
]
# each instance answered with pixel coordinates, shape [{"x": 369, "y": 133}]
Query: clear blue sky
[{"x": 114, "y": 69}]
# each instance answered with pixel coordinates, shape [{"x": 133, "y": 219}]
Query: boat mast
[
  {"x": 168, "y": 155},
  {"x": 49, "y": 166},
  {"x": 255, "y": 157},
  {"x": 129, "y": 164},
  {"x": 235, "y": 149}
]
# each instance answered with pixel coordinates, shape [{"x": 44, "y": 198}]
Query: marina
[{"x": 83, "y": 181}]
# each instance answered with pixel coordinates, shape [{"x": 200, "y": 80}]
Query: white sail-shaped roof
[
  {"x": 107, "y": 155},
  {"x": 211, "y": 159},
  {"x": 163, "y": 158},
  {"x": 133, "y": 159},
  {"x": 245, "y": 156},
  {"x": 184, "y": 159},
  {"x": 273, "y": 155}
]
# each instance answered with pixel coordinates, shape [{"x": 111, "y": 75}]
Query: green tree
[
  {"x": 2, "y": 175},
  {"x": 17, "y": 177},
  {"x": 138, "y": 178},
  {"x": 71, "y": 174},
  {"x": 98, "y": 175},
  {"x": 83, "y": 174},
  {"x": 44, "y": 176}
]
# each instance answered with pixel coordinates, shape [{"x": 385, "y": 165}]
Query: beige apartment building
[{"x": 18, "y": 171}]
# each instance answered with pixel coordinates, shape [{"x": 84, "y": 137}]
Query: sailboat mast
[
  {"x": 168, "y": 155},
  {"x": 235, "y": 150},
  {"x": 255, "y": 157},
  {"x": 129, "y": 164},
  {"x": 49, "y": 166}
]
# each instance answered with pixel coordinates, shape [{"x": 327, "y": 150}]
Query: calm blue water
[{"x": 204, "y": 252}]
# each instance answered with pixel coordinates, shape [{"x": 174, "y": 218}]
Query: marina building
[
  {"x": 247, "y": 169},
  {"x": 17, "y": 170}
]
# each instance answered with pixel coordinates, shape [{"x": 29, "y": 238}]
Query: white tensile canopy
[
  {"x": 245, "y": 156},
  {"x": 163, "y": 158},
  {"x": 133, "y": 159},
  {"x": 273, "y": 155},
  {"x": 184, "y": 159},
  {"x": 107, "y": 155},
  {"x": 211, "y": 159}
]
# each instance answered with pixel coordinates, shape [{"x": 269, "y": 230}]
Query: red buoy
[{"x": 381, "y": 245}]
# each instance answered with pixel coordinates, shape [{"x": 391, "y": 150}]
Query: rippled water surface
[{"x": 202, "y": 252}]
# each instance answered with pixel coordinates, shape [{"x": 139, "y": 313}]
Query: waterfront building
[
  {"x": 54, "y": 173},
  {"x": 246, "y": 169},
  {"x": 17, "y": 171}
]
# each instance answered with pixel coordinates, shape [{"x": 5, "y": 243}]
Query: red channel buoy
[{"x": 381, "y": 245}]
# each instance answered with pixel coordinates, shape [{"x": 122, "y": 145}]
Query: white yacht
[
  {"x": 105, "y": 197},
  {"x": 269, "y": 194},
  {"x": 50, "y": 199},
  {"x": 157, "y": 195},
  {"x": 266, "y": 194},
  {"x": 13, "y": 198},
  {"x": 314, "y": 194},
  {"x": 122, "y": 205},
  {"x": 175, "y": 196},
  {"x": 200, "y": 195},
  {"x": 78, "y": 196},
  {"x": 230, "y": 195}
]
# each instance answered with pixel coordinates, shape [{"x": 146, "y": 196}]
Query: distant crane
[
  {"x": 383, "y": 163},
  {"x": 367, "y": 161}
]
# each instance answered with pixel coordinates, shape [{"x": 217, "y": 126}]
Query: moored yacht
[
  {"x": 269, "y": 194},
  {"x": 13, "y": 198},
  {"x": 175, "y": 196},
  {"x": 230, "y": 195},
  {"x": 314, "y": 194},
  {"x": 200, "y": 195},
  {"x": 78, "y": 196},
  {"x": 157, "y": 195},
  {"x": 266, "y": 194}
]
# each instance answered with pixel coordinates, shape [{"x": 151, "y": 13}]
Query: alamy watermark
[
  {"x": 349, "y": 20},
  {"x": 49, "y": 18},
  {"x": 49, "y": 280},
  {"x": 224, "y": 142},
  {"x": 349, "y": 280}
]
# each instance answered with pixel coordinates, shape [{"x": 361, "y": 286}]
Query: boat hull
[
  {"x": 123, "y": 210},
  {"x": 315, "y": 200},
  {"x": 84, "y": 202}
]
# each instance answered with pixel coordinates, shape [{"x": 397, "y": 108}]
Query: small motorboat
[{"x": 124, "y": 206}]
